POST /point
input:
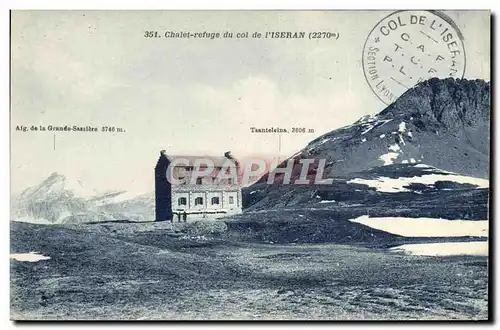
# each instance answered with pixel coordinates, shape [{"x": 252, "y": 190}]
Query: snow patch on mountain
[
  {"x": 423, "y": 166},
  {"x": 395, "y": 185},
  {"x": 366, "y": 119},
  {"x": 29, "y": 257},
  {"x": 444, "y": 249},
  {"x": 402, "y": 127},
  {"x": 322, "y": 142},
  {"x": 115, "y": 197},
  {"x": 370, "y": 127},
  {"x": 426, "y": 227},
  {"x": 389, "y": 158},
  {"x": 395, "y": 148}
]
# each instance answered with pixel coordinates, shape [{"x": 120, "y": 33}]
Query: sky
[{"x": 187, "y": 96}]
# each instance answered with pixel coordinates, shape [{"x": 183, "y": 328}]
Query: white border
[
  {"x": 248, "y": 4},
  {"x": 186, "y": 4}
]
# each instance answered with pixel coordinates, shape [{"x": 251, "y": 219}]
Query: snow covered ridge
[{"x": 401, "y": 184}]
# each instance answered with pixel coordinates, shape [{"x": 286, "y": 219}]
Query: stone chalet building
[{"x": 186, "y": 199}]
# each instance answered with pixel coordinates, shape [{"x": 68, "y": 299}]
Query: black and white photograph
[{"x": 259, "y": 165}]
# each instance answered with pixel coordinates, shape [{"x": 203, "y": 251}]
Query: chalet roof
[{"x": 218, "y": 161}]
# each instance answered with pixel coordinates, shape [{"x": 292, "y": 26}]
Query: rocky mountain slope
[
  {"x": 425, "y": 157},
  {"x": 442, "y": 123},
  {"x": 382, "y": 206},
  {"x": 410, "y": 190}
]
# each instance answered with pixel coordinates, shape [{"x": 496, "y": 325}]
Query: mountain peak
[
  {"x": 55, "y": 176},
  {"x": 447, "y": 103},
  {"x": 57, "y": 199},
  {"x": 442, "y": 122}
]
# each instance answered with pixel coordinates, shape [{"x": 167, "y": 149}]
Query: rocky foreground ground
[{"x": 149, "y": 271}]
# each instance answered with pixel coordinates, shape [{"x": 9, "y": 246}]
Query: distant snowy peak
[
  {"x": 58, "y": 184},
  {"x": 58, "y": 200},
  {"x": 120, "y": 196}
]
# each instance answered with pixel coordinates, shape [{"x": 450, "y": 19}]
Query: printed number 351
[{"x": 150, "y": 34}]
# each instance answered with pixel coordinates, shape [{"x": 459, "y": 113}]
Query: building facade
[{"x": 182, "y": 193}]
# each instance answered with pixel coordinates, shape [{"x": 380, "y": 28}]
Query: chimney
[{"x": 228, "y": 155}]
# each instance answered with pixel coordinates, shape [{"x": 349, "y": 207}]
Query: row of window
[
  {"x": 199, "y": 201},
  {"x": 198, "y": 180}
]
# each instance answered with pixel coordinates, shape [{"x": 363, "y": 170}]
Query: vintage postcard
[{"x": 250, "y": 165}]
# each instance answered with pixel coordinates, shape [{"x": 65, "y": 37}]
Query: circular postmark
[{"x": 408, "y": 47}]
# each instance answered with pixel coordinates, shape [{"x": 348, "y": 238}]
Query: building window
[
  {"x": 229, "y": 181},
  {"x": 215, "y": 200},
  {"x": 198, "y": 180},
  {"x": 182, "y": 201},
  {"x": 198, "y": 201},
  {"x": 231, "y": 200}
]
